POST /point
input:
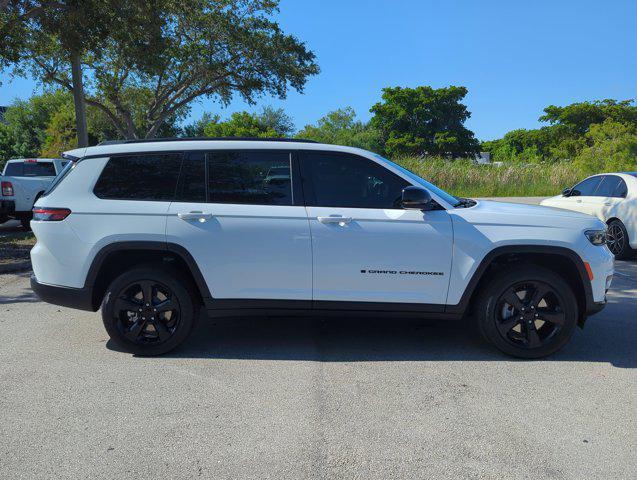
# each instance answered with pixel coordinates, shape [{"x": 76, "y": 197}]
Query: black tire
[
  {"x": 527, "y": 327},
  {"x": 137, "y": 326},
  {"x": 26, "y": 223},
  {"x": 3, "y": 219},
  {"x": 618, "y": 241}
]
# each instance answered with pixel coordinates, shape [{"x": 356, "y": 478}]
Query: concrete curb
[{"x": 15, "y": 267}]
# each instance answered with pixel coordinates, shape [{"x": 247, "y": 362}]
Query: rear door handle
[
  {"x": 335, "y": 219},
  {"x": 200, "y": 216}
]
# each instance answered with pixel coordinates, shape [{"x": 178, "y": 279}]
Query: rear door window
[
  {"x": 611, "y": 186},
  {"x": 140, "y": 177},
  {"x": 192, "y": 179},
  {"x": 250, "y": 177}
]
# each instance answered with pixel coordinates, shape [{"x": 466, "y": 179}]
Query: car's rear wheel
[
  {"x": 149, "y": 310},
  {"x": 527, "y": 311},
  {"x": 618, "y": 242}
]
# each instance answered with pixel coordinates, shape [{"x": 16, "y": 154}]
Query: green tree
[
  {"x": 240, "y": 124},
  {"x": 578, "y": 117},
  {"x": 54, "y": 40},
  {"x": 161, "y": 55},
  {"x": 198, "y": 127},
  {"x": 277, "y": 120},
  {"x": 424, "y": 121},
  {"x": 340, "y": 127},
  {"x": 26, "y": 122},
  {"x": 270, "y": 123},
  {"x": 613, "y": 147}
]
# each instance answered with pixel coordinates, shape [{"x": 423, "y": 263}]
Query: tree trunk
[{"x": 78, "y": 98}]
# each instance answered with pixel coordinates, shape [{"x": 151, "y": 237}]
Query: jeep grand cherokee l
[{"x": 150, "y": 232}]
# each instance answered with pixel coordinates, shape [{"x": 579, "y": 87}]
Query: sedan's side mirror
[
  {"x": 416, "y": 198},
  {"x": 567, "y": 192}
]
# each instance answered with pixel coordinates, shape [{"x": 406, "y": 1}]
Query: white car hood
[{"x": 491, "y": 212}]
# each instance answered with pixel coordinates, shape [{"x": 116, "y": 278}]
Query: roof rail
[{"x": 203, "y": 139}]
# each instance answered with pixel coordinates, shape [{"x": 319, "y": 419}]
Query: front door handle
[
  {"x": 335, "y": 219},
  {"x": 200, "y": 216}
]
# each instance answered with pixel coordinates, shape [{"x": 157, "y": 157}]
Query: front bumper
[
  {"x": 78, "y": 298},
  {"x": 7, "y": 208}
]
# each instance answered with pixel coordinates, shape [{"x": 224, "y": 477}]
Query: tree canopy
[
  {"x": 424, "y": 121},
  {"x": 340, "y": 127},
  {"x": 145, "y": 62},
  {"x": 574, "y": 133},
  {"x": 270, "y": 123}
]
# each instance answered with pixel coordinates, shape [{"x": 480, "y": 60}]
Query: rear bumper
[
  {"x": 7, "y": 208},
  {"x": 79, "y": 298}
]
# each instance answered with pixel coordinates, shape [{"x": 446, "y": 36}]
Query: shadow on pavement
[{"x": 374, "y": 339}]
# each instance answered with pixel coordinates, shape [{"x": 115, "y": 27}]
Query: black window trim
[{"x": 310, "y": 199}]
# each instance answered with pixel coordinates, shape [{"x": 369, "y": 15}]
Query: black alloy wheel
[
  {"x": 150, "y": 310},
  {"x": 529, "y": 314},
  {"x": 527, "y": 311},
  {"x": 617, "y": 240},
  {"x": 147, "y": 312}
]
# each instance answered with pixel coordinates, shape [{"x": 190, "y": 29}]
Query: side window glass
[
  {"x": 139, "y": 177},
  {"x": 621, "y": 189},
  {"x": 254, "y": 178},
  {"x": 612, "y": 186},
  {"x": 192, "y": 179},
  {"x": 14, "y": 169},
  {"x": 338, "y": 180},
  {"x": 606, "y": 186},
  {"x": 586, "y": 188}
]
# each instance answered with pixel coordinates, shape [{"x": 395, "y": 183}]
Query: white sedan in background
[{"x": 611, "y": 197}]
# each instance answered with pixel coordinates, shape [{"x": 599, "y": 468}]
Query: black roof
[{"x": 195, "y": 139}]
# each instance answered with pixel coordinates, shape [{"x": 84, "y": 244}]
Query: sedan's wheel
[
  {"x": 617, "y": 240},
  {"x": 527, "y": 312},
  {"x": 148, "y": 311}
]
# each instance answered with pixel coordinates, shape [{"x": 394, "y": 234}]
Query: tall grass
[{"x": 463, "y": 178}]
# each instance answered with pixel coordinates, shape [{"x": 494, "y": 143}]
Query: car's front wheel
[
  {"x": 527, "y": 311},
  {"x": 618, "y": 240},
  {"x": 149, "y": 310}
]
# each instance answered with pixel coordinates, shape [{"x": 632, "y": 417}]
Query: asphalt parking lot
[{"x": 314, "y": 398}]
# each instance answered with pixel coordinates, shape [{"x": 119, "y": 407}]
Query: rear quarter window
[{"x": 139, "y": 177}]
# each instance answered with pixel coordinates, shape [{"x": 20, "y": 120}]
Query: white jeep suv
[{"x": 154, "y": 231}]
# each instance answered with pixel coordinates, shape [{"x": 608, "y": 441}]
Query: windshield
[{"x": 450, "y": 199}]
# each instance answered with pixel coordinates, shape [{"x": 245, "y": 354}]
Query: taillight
[
  {"x": 7, "y": 189},
  {"x": 43, "y": 214}
]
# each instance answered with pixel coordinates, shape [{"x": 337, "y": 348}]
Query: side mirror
[
  {"x": 566, "y": 192},
  {"x": 415, "y": 198}
]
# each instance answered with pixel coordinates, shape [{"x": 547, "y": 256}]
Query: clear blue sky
[{"x": 515, "y": 57}]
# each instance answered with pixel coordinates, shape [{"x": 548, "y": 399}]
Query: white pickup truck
[{"x": 23, "y": 181}]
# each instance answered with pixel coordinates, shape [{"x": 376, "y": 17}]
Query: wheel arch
[
  {"x": 115, "y": 258},
  {"x": 569, "y": 265}
]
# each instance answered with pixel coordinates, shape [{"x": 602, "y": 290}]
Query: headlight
[{"x": 596, "y": 237}]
